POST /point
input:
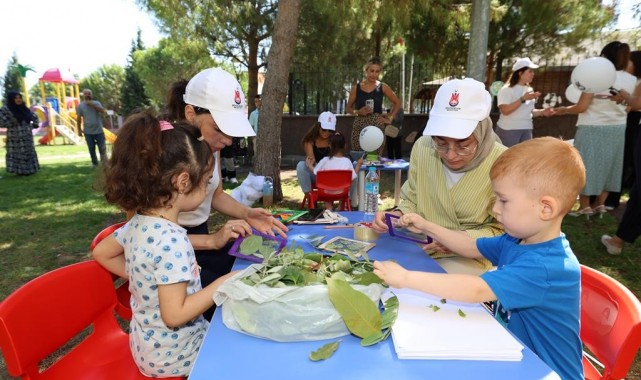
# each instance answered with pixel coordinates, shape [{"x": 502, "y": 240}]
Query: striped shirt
[{"x": 467, "y": 206}]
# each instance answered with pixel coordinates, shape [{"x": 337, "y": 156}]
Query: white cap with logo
[
  {"x": 219, "y": 92},
  {"x": 459, "y": 105},
  {"x": 327, "y": 120},
  {"x": 524, "y": 62}
]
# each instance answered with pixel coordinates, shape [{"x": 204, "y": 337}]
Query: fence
[{"x": 312, "y": 92}]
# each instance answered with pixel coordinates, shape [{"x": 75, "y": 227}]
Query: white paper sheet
[{"x": 422, "y": 333}]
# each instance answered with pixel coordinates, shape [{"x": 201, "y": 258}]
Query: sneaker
[
  {"x": 233, "y": 180},
  {"x": 225, "y": 179},
  {"x": 611, "y": 248}
]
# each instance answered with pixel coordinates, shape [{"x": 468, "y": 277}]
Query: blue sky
[
  {"x": 75, "y": 35},
  {"x": 82, "y": 35}
]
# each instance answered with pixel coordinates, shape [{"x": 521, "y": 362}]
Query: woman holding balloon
[
  {"x": 600, "y": 133},
  {"x": 366, "y": 102}
]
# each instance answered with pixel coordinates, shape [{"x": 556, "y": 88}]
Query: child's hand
[
  {"x": 233, "y": 229},
  {"x": 391, "y": 273}
]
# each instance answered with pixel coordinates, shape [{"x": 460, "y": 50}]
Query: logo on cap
[
  {"x": 237, "y": 96},
  {"x": 454, "y": 99}
]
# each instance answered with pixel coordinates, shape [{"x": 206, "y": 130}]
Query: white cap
[
  {"x": 219, "y": 92},
  {"x": 327, "y": 120},
  {"x": 459, "y": 106},
  {"x": 524, "y": 62}
]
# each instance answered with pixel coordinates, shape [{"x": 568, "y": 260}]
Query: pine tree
[
  {"x": 12, "y": 79},
  {"x": 132, "y": 92}
]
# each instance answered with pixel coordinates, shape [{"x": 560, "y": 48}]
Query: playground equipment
[{"x": 61, "y": 109}]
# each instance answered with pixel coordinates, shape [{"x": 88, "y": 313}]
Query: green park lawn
[{"x": 49, "y": 219}]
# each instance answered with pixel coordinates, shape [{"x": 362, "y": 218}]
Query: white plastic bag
[
  {"x": 250, "y": 190},
  {"x": 287, "y": 314}
]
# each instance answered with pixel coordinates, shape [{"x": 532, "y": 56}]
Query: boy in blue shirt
[{"x": 537, "y": 282}]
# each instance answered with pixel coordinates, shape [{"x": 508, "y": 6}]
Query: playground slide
[
  {"x": 109, "y": 136},
  {"x": 44, "y": 140}
]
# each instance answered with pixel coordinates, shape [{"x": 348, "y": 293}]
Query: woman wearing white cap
[
  {"x": 448, "y": 181},
  {"x": 316, "y": 146},
  {"x": 214, "y": 102},
  {"x": 516, "y": 102}
]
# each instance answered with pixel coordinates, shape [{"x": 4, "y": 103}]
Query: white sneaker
[{"x": 233, "y": 180}]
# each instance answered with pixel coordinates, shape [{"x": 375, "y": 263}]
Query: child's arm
[
  {"x": 456, "y": 287},
  {"x": 455, "y": 241},
  {"x": 110, "y": 255},
  {"x": 359, "y": 163},
  {"x": 178, "y": 308}
]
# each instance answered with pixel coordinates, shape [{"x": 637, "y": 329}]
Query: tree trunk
[{"x": 268, "y": 148}]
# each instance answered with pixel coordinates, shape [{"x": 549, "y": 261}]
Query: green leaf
[
  {"x": 443, "y": 300},
  {"x": 250, "y": 244},
  {"x": 325, "y": 352},
  {"x": 367, "y": 278},
  {"x": 373, "y": 339},
  {"x": 390, "y": 313},
  {"x": 461, "y": 313},
  {"x": 361, "y": 314}
]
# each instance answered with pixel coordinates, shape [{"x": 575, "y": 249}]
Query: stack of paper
[{"x": 426, "y": 328}]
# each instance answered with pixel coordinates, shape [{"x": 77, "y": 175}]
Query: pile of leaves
[
  {"x": 294, "y": 267},
  {"x": 363, "y": 317}
]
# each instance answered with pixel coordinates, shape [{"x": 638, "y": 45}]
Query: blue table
[
  {"x": 397, "y": 166},
  {"x": 227, "y": 354}
]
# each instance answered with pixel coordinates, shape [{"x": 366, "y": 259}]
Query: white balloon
[
  {"x": 594, "y": 75},
  {"x": 371, "y": 138},
  {"x": 572, "y": 94}
]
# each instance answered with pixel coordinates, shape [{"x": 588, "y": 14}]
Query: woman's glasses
[{"x": 442, "y": 147}]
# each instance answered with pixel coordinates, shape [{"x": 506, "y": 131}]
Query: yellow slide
[{"x": 109, "y": 136}]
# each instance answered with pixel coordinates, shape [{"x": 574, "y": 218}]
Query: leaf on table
[
  {"x": 360, "y": 314},
  {"x": 373, "y": 339},
  {"x": 325, "y": 352},
  {"x": 461, "y": 313},
  {"x": 390, "y": 313},
  {"x": 251, "y": 244}
]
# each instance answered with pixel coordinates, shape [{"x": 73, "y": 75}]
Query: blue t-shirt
[{"x": 538, "y": 288}]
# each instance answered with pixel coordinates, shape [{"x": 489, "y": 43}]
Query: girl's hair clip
[
  {"x": 165, "y": 125},
  {"x": 201, "y": 138}
]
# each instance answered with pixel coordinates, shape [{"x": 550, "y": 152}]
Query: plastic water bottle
[
  {"x": 268, "y": 192},
  {"x": 371, "y": 194}
]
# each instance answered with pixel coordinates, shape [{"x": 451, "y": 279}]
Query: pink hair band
[{"x": 165, "y": 125}]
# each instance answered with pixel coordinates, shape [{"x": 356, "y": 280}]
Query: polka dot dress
[{"x": 158, "y": 252}]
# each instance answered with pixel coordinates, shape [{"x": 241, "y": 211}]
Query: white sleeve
[
  {"x": 504, "y": 96},
  {"x": 321, "y": 164}
]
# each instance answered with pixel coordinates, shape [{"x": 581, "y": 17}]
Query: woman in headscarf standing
[
  {"x": 366, "y": 102},
  {"x": 19, "y": 122}
]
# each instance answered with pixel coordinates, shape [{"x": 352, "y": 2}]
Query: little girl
[
  {"x": 159, "y": 170},
  {"x": 338, "y": 161}
]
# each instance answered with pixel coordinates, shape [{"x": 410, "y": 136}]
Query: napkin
[{"x": 420, "y": 332}]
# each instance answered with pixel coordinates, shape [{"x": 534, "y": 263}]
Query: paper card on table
[{"x": 426, "y": 328}]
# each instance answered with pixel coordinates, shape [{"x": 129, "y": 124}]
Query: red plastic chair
[
  {"x": 122, "y": 287},
  {"x": 48, "y": 311},
  {"x": 610, "y": 325},
  {"x": 333, "y": 185}
]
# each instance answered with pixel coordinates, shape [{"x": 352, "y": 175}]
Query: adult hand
[
  {"x": 263, "y": 221},
  {"x": 547, "y": 112},
  {"x": 435, "y": 246},
  {"x": 233, "y": 229},
  {"x": 384, "y": 120},
  {"x": 364, "y": 111},
  {"x": 391, "y": 273},
  {"x": 379, "y": 224},
  {"x": 620, "y": 97}
]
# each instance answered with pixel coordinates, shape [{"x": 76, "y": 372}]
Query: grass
[{"x": 49, "y": 219}]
